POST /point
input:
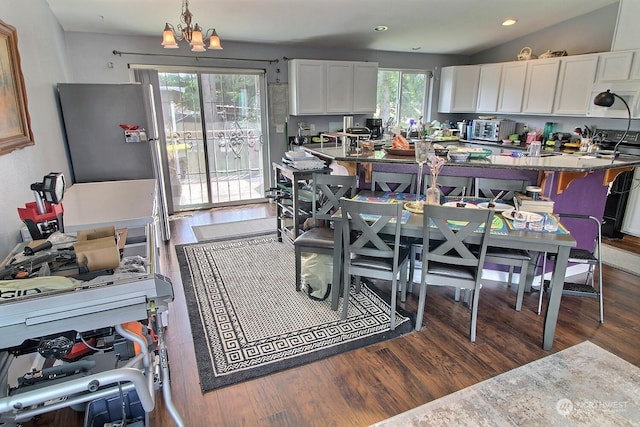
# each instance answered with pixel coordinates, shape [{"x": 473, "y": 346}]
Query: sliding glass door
[{"x": 214, "y": 126}]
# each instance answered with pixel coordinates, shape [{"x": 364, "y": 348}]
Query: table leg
[
  {"x": 553, "y": 306},
  {"x": 337, "y": 264}
]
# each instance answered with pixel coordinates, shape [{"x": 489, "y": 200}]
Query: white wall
[
  {"x": 588, "y": 33},
  {"x": 44, "y": 63}
]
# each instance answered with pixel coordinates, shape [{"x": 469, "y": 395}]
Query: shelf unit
[{"x": 293, "y": 199}]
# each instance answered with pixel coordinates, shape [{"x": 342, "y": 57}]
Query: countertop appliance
[
  {"x": 492, "y": 129},
  {"x": 112, "y": 135},
  {"x": 607, "y": 139},
  {"x": 375, "y": 125}
]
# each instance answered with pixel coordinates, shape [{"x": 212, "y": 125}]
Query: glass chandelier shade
[{"x": 191, "y": 33}]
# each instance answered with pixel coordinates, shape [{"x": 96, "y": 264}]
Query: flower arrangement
[
  {"x": 432, "y": 194},
  {"x": 435, "y": 164}
]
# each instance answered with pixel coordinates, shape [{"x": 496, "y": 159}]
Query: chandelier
[{"x": 190, "y": 33}]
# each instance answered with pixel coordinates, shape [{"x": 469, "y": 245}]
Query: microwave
[{"x": 492, "y": 130}]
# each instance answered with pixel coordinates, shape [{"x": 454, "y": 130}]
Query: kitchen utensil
[
  {"x": 299, "y": 139},
  {"x": 497, "y": 196}
]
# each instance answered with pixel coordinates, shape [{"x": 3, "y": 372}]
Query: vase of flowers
[{"x": 432, "y": 194}]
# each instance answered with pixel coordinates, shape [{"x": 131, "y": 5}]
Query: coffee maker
[{"x": 375, "y": 125}]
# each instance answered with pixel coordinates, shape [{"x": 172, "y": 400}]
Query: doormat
[
  {"x": 621, "y": 259},
  {"x": 248, "y": 320},
  {"x": 235, "y": 229}
]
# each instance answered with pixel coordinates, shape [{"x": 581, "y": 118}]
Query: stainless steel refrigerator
[{"x": 112, "y": 135}]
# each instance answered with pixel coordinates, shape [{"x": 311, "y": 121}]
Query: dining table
[{"x": 559, "y": 243}]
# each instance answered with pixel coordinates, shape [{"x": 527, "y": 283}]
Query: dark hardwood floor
[{"x": 373, "y": 383}]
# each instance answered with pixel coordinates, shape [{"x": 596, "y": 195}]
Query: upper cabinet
[
  {"x": 614, "y": 66},
  {"x": 307, "y": 87},
  {"x": 365, "y": 87},
  {"x": 332, "y": 87},
  {"x": 540, "y": 86},
  {"x": 459, "y": 89},
  {"x": 512, "y": 87},
  {"x": 577, "y": 73},
  {"x": 339, "y": 86},
  {"x": 489, "y": 88}
]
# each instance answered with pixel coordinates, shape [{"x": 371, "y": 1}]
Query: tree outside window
[{"x": 402, "y": 96}]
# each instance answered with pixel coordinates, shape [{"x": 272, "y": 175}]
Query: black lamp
[{"x": 606, "y": 99}]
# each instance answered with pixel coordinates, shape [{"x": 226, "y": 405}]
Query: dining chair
[
  {"x": 447, "y": 259},
  {"x": 366, "y": 227},
  {"x": 590, "y": 256},
  {"x": 449, "y": 186},
  {"x": 393, "y": 181},
  {"x": 328, "y": 189},
  {"x": 491, "y": 187}
]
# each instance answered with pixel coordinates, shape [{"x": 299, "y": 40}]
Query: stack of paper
[
  {"x": 302, "y": 160},
  {"x": 526, "y": 203}
]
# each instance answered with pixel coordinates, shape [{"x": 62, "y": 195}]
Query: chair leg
[
  {"x": 600, "y": 297},
  {"x": 394, "y": 296},
  {"x": 346, "y": 283},
  {"x": 522, "y": 283},
  {"x": 298, "y": 253},
  {"x": 510, "y": 281},
  {"x": 474, "y": 313},
  {"x": 421, "y": 303}
]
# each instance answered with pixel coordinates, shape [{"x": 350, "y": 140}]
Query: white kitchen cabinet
[
  {"x": 512, "y": 83},
  {"x": 635, "y": 66},
  {"x": 307, "y": 94},
  {"x": 614, "y": 66},
  {"x": 577, "y": 73},
  {"x": 365, "y": 87},
  {"x": 540, "y": 86},
  {"x": 459, "y": 89},
  {"x": 489, "y": 88},
  {"x": 332, "y": 87},
  {"x": 339, "y": 86}
]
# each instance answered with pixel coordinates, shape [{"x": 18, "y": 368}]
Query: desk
[
  {"x": 124, "y": 204},
  {"x": 559, "y": 244}
]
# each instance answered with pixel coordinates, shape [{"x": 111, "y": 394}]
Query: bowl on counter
[{"x": 458, "y": 157}]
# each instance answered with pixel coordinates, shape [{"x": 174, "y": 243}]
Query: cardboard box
[{"x": 100, "y": 249}]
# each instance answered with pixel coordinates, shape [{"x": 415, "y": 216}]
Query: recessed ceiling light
[
  {"x": 508, "y": 22},
  {"x": 381, "y": 28}
]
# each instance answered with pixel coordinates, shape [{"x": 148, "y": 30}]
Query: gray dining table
[{"x": 536, "y": 242}]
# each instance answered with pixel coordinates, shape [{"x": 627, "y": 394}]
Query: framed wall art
[{"x": 15, "y": 123}]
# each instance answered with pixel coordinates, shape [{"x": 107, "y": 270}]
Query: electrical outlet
[{"x": 312, "y": 127}]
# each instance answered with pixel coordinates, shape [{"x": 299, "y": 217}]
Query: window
[{"x": 402, "y": 96}]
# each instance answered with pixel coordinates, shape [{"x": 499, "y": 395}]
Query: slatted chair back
[
  {"x": 491, "y": 187},
  {"x": 450, "y": 185},
  {"x": 392, "y": 181}
]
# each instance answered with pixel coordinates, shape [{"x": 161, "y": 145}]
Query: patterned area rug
[
  {"x": 248, "y": 320},
  {"x": 582, "y": 385}
]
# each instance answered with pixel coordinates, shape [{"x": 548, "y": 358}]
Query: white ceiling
[{"x": 427, "y": 26}]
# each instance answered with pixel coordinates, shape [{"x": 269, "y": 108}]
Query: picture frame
[{"x": 15, "y": 123}]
